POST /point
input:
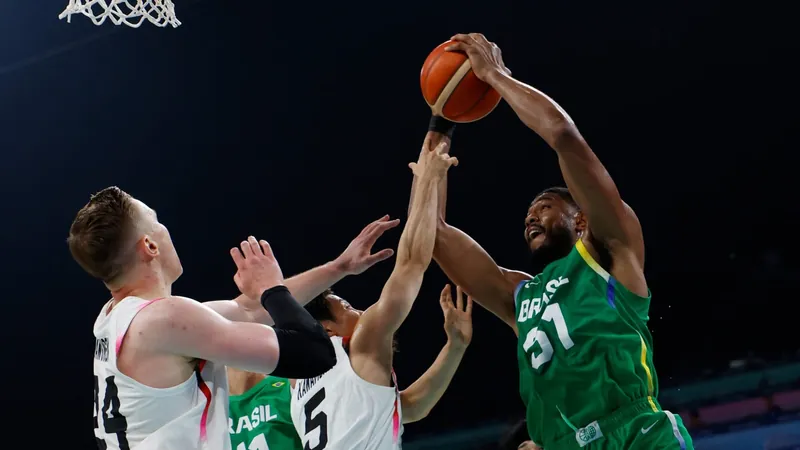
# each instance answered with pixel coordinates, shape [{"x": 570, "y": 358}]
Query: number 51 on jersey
[{"x": 552, "y": 313}]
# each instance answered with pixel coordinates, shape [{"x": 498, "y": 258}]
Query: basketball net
[{"x": 124, "y": 12}]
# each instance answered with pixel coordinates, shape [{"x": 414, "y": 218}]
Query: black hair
[
  {"x": 319, "y": 308},
  {"x": 561, "y": 192}
]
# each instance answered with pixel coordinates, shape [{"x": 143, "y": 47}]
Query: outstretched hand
[
  {"x": 484, "y": 56},
  {"x": 358, "y": 256},
  {"x": 257, "y": 268},
  {"x": 458, "y": 317},
  {"x": 433, "y": 163}
]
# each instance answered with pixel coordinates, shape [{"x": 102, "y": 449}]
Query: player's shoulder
[
  {"x": 516, "y": 278},
  {"x": 167, "y": 313},
  {"x": 169, "y": 305}
]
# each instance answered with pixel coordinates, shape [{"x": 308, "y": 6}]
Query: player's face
[
  {"x": 550, "y": 227},
  {"x": 345, "y": 317},
  {"x": 158, "y": 233}
]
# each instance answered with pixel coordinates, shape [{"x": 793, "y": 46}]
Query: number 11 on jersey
[
  {"x": 551, "y": 314},
  {"x": 258, "y": 443}
]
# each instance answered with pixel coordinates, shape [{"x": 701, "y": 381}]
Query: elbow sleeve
[
  {"x": 306, "y": 350},
  {"x": 303, "y": 354}
]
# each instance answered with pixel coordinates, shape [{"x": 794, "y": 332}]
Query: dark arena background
[{"x": 294, "y": 121}]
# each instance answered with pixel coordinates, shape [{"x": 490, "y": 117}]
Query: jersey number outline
[
  {"x": 552, "y": 313},
  {"x": 258, "y": 443},
  {"x": 316, "y": 421},
  {"x": 116, "y": 422}
]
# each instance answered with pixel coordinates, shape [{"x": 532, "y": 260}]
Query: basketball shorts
[{"x": 636, "y": 427}]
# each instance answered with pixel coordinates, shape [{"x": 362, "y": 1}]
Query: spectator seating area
[{"x": 750, "y": 409}]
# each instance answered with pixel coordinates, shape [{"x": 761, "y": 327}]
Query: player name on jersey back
[
  {"x": 303, "y": 386},
  {"x": 129, "y": 415},
  {"x": 341, "y": 411}
]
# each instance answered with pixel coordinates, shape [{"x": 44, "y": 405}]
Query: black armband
[
  {"x": 305, "y": 349},
  {"x": 304, "y": 355},
  {"x": 441, "y": 125},
  {"x": 284, "y": 309}
]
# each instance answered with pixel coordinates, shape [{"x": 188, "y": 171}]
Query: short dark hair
[
  {"x": 319, "y": 308},
  {"x": 100, "y": 231},
  {"x": 561, "y": 192}
]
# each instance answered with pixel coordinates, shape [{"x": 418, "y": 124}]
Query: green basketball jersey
[
  {"x": 260, "y": 419},
  {"x": 584, "y": 349}
]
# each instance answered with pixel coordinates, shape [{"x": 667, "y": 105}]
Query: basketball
[{"x": 452, "y": 90}]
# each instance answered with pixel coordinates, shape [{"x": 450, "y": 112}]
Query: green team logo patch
[{"x": 588, "y": 433}]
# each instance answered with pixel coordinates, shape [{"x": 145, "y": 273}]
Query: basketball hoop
[{"x": 124, "y": 12}]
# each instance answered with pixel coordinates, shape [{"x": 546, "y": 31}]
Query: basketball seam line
[
  {"x": 486, "y": 91},
  {"x": 450, "y": 86}
]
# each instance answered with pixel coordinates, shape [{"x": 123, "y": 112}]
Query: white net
[{"x": 124, "y": 12}]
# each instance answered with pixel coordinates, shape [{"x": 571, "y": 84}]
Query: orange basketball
[{"x": 451, "y": 88}]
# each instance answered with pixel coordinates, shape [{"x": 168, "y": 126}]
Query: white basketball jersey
[
  {"x": 131, "y": 416},
  {"x": 341, "y": 411}
]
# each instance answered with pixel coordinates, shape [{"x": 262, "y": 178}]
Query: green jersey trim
[
  {"x": 590, "y": 261},
  {"x": 276, "y": 383}
]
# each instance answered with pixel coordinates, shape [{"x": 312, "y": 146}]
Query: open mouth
[{"x": 534, "y": 232}]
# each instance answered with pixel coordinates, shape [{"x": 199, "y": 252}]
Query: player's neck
[
  {"x": 240, "y": 381},
  {"x": 149, "y": 285}
]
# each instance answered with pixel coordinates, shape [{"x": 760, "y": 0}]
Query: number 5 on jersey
[
  {"x": 551, "y": 314},
  {"x": 316, "y": 421}
]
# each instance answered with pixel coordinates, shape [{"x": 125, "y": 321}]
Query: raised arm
[
  {"x": 181, "y": 326},
  {"x": 466, "y": 263},
  {"x": 184, "y": 327},
  {"x": 297, "y": 347},
  {"x": 371, "y": 343},
  {"x": 611, "y": 221},
  {"x": 440, "y": 130},
  {"x": 419, "y": 399},
  {"x": 464, "y": 260},
  {"x": 355, "y": 259}
]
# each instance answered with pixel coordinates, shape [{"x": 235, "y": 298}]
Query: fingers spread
[
  {"x": 254, "y": 245},
  {"x": 445, "y": 299},
  {"x": 426, "y": 143},
  {"x": 469, "y": 304},
  {"x": 266, "y": 248},
  {"x": 456, "y": 47},
  {"x": 380, "y": 256},
  {"x": 246, "y": 250},
  {"x": 387, "y": 225},
  {"x": 377, "y": 223},
  {"x": 378, "y": 231},
  {"x": 459, "y": 299},
  {"x": 478, "y": 37},
  {"x": 238, "y": 259}
]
